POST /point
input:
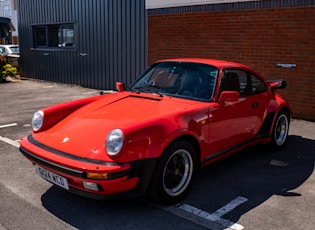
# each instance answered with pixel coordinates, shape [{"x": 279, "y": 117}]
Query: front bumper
[{"x": 124, "y": 180}]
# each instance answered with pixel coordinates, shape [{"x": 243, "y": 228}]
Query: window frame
[
  {"x": 6, "y": 11},
  {"x": 249, "y": 81},
  {"x": 47, "y": 43},
  {"x": 260, "y": 80}
]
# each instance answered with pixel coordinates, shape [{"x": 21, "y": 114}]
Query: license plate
[{"x": 52, "y": 177}]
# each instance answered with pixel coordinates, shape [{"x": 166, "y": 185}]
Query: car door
[{"x": 233, "y": 123}]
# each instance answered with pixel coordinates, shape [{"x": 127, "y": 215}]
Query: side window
[
  {"x": 40, "y": 36},
  {"x": 258, "y": 85},
  {"x": 59, "y": 36},
  {"x": 235, "y": 80}
]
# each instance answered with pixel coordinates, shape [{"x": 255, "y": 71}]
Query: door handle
[{"x": 255, "y": 105}]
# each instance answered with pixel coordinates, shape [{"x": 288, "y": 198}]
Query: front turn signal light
[{"x": 97, "y": 176}]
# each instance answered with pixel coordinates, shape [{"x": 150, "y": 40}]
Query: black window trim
[
  {"x": 250, "y": 74},
  {"x": 249, "y": 79},
  {"x": 47, "y": 48}
]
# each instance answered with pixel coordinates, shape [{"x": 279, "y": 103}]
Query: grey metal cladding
[{"x": 110, "y": 39}]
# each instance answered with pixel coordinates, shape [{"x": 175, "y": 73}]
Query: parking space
[{"x": 253, "y": 189}]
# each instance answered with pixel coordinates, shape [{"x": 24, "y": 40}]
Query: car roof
[
  {"x": 8, "y": 45},
  {"x": 220, "y": 64}
]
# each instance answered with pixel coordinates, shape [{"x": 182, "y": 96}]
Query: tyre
[
  {"x": 174, "y": 173},
  {"x": 280, "y": 131}
]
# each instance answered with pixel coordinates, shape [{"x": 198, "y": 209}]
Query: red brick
[{"x": 259, "y": 38}]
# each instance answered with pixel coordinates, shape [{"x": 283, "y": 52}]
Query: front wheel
[
  {"x": 174, "y": 173},
  {"x": 280, "y": 131}
]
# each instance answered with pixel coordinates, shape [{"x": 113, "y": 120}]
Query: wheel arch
[
  {"x": 270, "y": 119},
  {"x": 193, "y": 141},
  {"x": 154, "y": 191},
  {"x": 284, "y": 109}
]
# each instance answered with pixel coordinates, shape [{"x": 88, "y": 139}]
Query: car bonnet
[{"x": 83, "y": 133}]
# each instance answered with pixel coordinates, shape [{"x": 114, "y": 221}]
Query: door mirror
[
  {"x": 120, "y": 86},
  {"x": 229, "y": 96}
]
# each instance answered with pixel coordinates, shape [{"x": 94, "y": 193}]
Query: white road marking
[
  {"x": 10, "y": 142},
  {"x": 87, "y": 93},
  {"x": 211, "y": 221},
  {"x": 49, "y": 86},
  {"x": 278, "y": 163},
  {"x": 208, "y": 220},
  {"x": 230, "y": 206},
  {"x": 8, "y": 125}
]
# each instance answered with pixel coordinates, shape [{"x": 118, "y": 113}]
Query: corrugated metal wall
[{"x": 110, "y": 38}]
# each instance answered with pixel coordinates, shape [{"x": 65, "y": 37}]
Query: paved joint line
[
  {"x": 230, "y": 206},
  {"x": 8, "y": 125},
  {"x": 216, "y": 217},
  {"x": 92, "y": 92},
  {"x": 10, "y": 142},
  {"x": 49, "y": 86}
]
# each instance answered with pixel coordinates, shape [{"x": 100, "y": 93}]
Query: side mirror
[
  {"x": 120, "y": 86},
  {"x": 229, "y": 96}
]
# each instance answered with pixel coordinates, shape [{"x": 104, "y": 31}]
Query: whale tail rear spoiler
[{"x": 277, "y": 83}]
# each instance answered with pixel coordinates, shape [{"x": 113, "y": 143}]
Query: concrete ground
[{"x": 253, "y": 189}]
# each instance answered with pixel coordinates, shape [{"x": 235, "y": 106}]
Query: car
[
  {"x": 11, "y": 53},
  {"x": 150, "y": 139},
  {"x": 5, "y": 50}
]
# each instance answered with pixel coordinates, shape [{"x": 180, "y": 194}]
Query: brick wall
[{"x": 260, "y": 38}]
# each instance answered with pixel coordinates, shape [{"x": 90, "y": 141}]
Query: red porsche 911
[{"x": 151, "y": 138}]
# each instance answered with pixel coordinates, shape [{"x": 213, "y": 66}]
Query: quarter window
[{"x": 258, "y": 85}]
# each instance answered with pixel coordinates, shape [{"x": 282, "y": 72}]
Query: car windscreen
[{"x": 179, "y": 79}]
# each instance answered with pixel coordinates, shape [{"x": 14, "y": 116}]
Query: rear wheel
[
  {"x": 174, "y": 173},
  {"x": 280, "y": 131}
]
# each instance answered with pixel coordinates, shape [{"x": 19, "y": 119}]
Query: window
[
  {"x": 235, "y": 80},
  {"x": 179, "y": 79},
  {"x": 54, "y": 36},
  {"x": 258, "y": 85},
  {"x": 243, "y": 82},
  {"x": 2, "y": 50},
  {"x": 40, "y": 39},
  {"x": 6, "y": 11}
]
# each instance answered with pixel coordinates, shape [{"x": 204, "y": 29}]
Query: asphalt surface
[{"x": 254, "y": 189}]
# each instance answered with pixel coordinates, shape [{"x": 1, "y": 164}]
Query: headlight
[
  {"x": 37, "y": 120},
  {"x": 114, "y": 142}
]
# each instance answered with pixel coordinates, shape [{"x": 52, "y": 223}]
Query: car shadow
[
  {"x": 84, "y": 213},
  {"x": 255, "y": 173}
]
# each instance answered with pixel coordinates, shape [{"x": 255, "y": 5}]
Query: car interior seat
[
  {"x": 230, "y": 82},
  {"x": 190, "y": 85}
]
